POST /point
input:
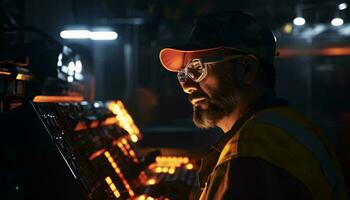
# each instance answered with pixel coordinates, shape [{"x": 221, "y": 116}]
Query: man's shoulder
[
  {"x": 287, "y": 140},
  {"x": 259, "y": 138}
]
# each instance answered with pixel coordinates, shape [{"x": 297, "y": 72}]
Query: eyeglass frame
[{"x": 204, "y": 63}]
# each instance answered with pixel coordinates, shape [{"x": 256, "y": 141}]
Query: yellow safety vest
[{"x": 286, "y": 139}]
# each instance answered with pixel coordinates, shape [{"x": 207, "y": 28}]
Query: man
[{"x": 268, "y": 150}]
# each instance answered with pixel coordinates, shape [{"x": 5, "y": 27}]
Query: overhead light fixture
[
  {"x": 103, "y": 35},
  {"x": 342, "y": 6},
  {"x": 75, "y": 34},
  {"x": 86, "y": 34},
  {"x": 337, "y": 21},
  {"x": 299, "y": 21}
]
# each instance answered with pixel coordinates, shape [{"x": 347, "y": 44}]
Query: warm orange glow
[
  {"x": 94, "y": 124},
  {"x": 189, "y": 166},
  {"x": 132, "y": 153},
  {"x": 114, "y": 165},
  {"x": 80, "y": 126},
  {"x": 108, "y": 180},
  {"x": 119, "y": 173},
  {"x": 158, "y": 170},
  {"x": 112, "y": 187},
  {"x": 165, "y": 169},
  {"x": 47, "y": 99},
  {"x": 117, "y": 170},
  {"x": 120, "y": 145},
  {"x": 124, "y": 141},
  {"x": 335, "y": 51},
  {"x": 107, "y": 154},
  {"x": 142, "y": 178},
  {"x": 124, "y": 119},
  {"x": 23, "y": 77},
  {"x": 171, "y": 171},
  {"x": 151, "y": 182},
  {"x": 168, "y": 164},
  {"x": 5, "y": 73},
  {"x": 171, "y": 161},
  {"x": 126, "y": 149},
  {"x": 150, "y": 198},
  {"x": 142, "y": 197},
  {"x": 109, "y": 121},
  {"x": 134, "y": 138},
  {"x": 122, "y": 148},
  {"x": 96, "y": 154},
  {"x": 330, "y": 51},
  {"x": 186, "y": 160},
  {"x": 127, "y": 146},
  {"x": 116, "y": 194}
]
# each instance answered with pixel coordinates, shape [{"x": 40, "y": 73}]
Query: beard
[{"x": 221, "y": 103}]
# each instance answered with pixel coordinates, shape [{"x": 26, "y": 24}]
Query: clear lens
[
  {"x": 182, "y": 76},
  {"x": 195, "y": 70},
  {"x": 195, "y": 74}
]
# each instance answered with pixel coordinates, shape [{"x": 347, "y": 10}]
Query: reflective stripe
[{"x": 309, "y": 141}]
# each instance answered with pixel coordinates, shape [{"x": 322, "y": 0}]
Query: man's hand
[{"x": 174, "y": 190}]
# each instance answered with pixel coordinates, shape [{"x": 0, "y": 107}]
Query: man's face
[{"x": 214, "y": 97}]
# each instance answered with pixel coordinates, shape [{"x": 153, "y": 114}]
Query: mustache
[{"x": 196, "y": 95}]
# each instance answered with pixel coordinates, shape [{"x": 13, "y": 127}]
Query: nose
[{"x": 189, "y": 86}]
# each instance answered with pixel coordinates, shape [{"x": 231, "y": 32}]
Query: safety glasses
[{"x": 197, "y": 69}]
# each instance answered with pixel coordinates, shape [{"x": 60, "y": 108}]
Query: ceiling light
[
  {"x": 86, "y": 34},
  {"x": 103, "y": 35},
  {"x": 75, "y": 34},
  {"x": 299, "y": 21},
  {"x": 342, "y": 6},
  {"x": 337, "y": 21}
]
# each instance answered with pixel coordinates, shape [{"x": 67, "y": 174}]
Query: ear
[{"x": 251, "y": 68}]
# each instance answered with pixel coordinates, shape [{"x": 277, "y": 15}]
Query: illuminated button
[
  {"x": 165, "y": 169},
  {"x": 112, "y": 186},
  {"x": 142, "y": 197},
  {"x": 132, "y": 153},
  {"x": 134, "y": 138},
  {"x": 107, "y": 154},
  {"x": 189, "y": 166},
  {"x": 108, "y": 180},
  {"x": 171, "y": 171},
  {"x": 116, "y": 194},
  {"x": 117, "y": 170},
  {"x": 124, "y": 141},
  {"x": 151, "y": 181},
  {"x": 131, "y": 193},
  {"x": 158, "y": 170},
  {"x": 110, "y": 159},
  {"x": 186, "y": 160},
  {"x": 114, "y": 165}
]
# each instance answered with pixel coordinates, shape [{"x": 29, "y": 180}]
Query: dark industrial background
[{"x": 313, "y": 68}]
